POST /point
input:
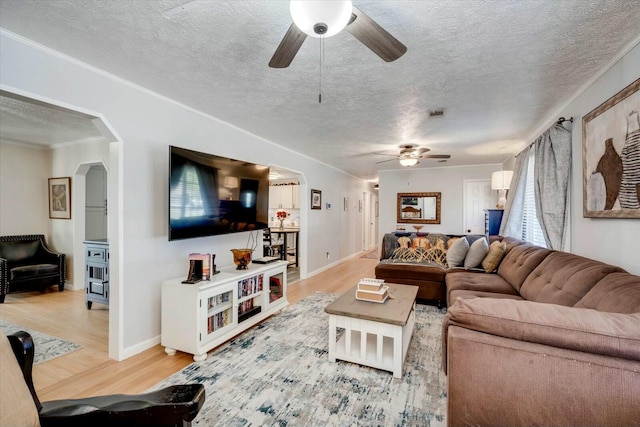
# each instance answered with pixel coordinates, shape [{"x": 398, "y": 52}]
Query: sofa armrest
[{"x": 585, "y": 330}]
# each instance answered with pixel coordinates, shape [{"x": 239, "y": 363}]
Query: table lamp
[{"x": 500, "y": 181}]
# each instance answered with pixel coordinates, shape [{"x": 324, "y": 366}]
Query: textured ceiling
[
  {"x": 31, "y": 122},
  {"x": 498, "y": 68}
]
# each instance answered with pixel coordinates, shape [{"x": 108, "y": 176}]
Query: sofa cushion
[
  {"x": 615, "y": 293},
  {"x": 16, "y": 251},
  {"x": 497, "y": 250},
  {"x": 466, "y": 294},
  {"x": 17, "y": 407},
  {"x": 477, "y": 282},
  {"x": 564, "y": 278},
  {"x": 590, "y": 331},
  {"x": 477, "y": 251},
  {"x": 519, "y": 261},
  {"x": 457, "y": 253},
  {"x": 33, "y": 271}
]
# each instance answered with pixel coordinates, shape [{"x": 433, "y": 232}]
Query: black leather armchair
[
  {"x": 27, "y": 262},
  {"x": 176, "y": 405}
]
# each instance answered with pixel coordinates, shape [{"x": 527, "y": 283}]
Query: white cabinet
[
  {"x": 284, "y": 197},
  {"x": 197, "y": 318},
  {"x": 295, "y": 196}
]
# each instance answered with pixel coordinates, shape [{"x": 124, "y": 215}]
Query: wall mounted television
[{"x": 211, "y": 195}]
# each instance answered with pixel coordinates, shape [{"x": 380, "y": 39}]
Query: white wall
[
  {"x": 447, "y": 180},
  {"x": 24, "y": 196},
  {"x": 612, "y": 240},
  {"x": 146, "y": 125}
]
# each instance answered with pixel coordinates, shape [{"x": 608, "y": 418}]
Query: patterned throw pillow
[
  {"x": 477, "y": 251},
  {"x": 434, "y": 238},
  {"x": 497, "y": 250},
  {"x": 404, "y": 242},
  {"x": 420, "y": 255},
  {"x": 420, "y": 242},
  {"x": 451, "y": 241},
  {"x": 457, "y": 253}
]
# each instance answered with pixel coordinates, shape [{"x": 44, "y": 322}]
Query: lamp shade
[
  {"x": 230, "y": 182},
  {"x": 332, "y": 15},
  {"x": 501, "y": 180},
  {"x": 408, "y": 161}
]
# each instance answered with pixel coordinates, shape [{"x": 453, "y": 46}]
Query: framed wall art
[
  {"x": 60, "y": 198},
  {"x": 611, "y": 157},
  {"x": 316, "y": 199}
]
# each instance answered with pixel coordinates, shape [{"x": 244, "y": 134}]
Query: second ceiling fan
[
  {"x": 409, "y": 155},
  {"x": 322, "y": 18}
]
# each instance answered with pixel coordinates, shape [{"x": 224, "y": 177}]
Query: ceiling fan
[
  {"x": 322, "y": 18},
  {"x": 409, "y": 155}
]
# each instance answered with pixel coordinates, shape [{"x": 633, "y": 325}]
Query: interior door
[{"x": 477, "y": 198}]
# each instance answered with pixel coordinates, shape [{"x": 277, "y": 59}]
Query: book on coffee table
[
  {"x": 374, "y": 285},
  {"x": 373, "y": 296}
]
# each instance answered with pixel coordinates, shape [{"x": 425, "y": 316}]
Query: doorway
[{"x": 477, "y": 198}]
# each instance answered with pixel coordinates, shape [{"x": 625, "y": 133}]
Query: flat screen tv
[{"x": 211, "y": 195}]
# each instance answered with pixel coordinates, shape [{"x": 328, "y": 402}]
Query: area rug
[
  {"x": 46, "y": 347},
  {"x": 278, "y": 374}
]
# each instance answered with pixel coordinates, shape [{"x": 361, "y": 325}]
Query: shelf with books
[
  {"x": 250, "y": 285},
  {"x": 199, "y": 317},
  {"x": 219, "y": 320}
]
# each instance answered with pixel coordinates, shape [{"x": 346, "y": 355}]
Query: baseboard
[
  {"x": 333, "y": 264},
  {"x": 140, "y": 347}
]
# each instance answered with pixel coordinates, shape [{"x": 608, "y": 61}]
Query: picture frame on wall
[
  {"x": 316, "y": 199},
  {"x": 611, "y": 156},
  {"x": 60, "y": 198}
]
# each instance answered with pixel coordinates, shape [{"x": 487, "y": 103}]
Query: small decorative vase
[
  {"x": 241, "y": 258},
  {"x": 281, "y": 224}
]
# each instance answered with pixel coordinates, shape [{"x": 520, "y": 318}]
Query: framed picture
[
  {"x": 316, "y": 199},
  {"x": 611, "y": 157},
  {"x": 60, "y": 198}
]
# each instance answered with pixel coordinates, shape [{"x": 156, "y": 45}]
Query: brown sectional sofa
[{"x": 551, "y": 339}]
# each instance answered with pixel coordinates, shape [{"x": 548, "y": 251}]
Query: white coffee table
[{"x": 375, "y": 335}]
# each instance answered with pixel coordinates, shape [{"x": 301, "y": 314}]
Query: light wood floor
[{"x": 89, "y": 372}]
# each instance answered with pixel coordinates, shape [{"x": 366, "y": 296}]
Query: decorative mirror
[{"x": 419, "y": 208}]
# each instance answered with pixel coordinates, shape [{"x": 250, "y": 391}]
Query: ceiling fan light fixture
[
  {"x": 408, "y": 161},
  {"x": 319, "y": 18}
]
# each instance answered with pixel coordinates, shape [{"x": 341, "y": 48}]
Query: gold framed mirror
[{"x": 418, "y": 208}]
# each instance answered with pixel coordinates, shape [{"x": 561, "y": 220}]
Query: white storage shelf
[{"x": 193, "y": 325}]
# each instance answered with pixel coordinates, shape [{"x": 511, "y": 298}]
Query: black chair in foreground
[{"x": 176, "y": 405}]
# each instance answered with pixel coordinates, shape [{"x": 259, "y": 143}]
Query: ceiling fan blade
[
  {"x": 385, "y": 161},
  {"x": 374, "y": 36},
  {"x": 288, "y": 47},
  {"x": 436, "y": 156}
]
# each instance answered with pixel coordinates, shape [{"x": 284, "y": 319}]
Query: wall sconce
[{"x": 500, "y": 181}]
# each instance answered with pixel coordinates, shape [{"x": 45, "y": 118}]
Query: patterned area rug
[
  {"x": 278, "y": 374},
  {"x": 46, "y": 346}
]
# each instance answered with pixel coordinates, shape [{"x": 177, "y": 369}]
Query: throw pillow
[
  {"x": 497, "y": 250},
  {"x": 435, "y": 237},
  {"x": 404, "y": 242},
  {"x": 477, "y": 251},
  {"x": 457, "y": 253},
  {"x": 451, "y": 241},
  {"x": 420, "y": 242}
]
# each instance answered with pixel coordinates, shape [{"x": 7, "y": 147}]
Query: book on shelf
[
  {"x": 373, "y": 296},
  {"x": 206, "y": 264},
  {"x": 374, "y": 285}
]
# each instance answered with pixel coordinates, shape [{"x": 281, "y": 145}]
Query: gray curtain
[
  {"x": 513, "y": 210},
  {"x": 552, "y": 170}
]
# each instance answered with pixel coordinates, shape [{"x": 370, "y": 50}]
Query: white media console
[{"x": 197, "y": 318}]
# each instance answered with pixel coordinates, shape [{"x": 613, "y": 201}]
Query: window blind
[{"x": 531, "y": 231}]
